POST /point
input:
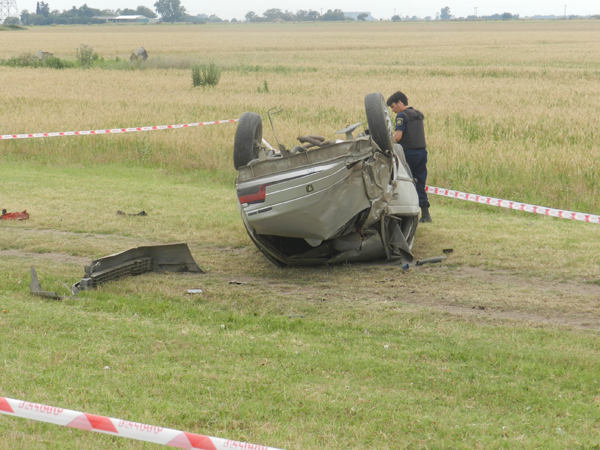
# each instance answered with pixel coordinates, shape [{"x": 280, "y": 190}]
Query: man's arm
[{"x": 399, "y": 126}]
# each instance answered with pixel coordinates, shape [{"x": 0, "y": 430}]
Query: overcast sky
[{"x": 380, "y": 9}]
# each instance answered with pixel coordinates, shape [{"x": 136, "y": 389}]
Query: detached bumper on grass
[{"x": 135, "y": 261}]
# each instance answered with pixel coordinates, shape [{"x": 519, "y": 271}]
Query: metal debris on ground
[
  {"x": 141, "y": 213},
  {"x": 14, "y": 215},
  {"x": 238, "y": 283},
  {"x": 36, "y": 289},
  {"x": 447, "y": 250},
  {"x": 135, "y": 261},
  {"x": 435, "y": 259},
  {"x": 194, "y": 291}
]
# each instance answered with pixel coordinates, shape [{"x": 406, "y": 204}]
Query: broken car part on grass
[
  {"x": 14, "y": 215},
  {"x": 141, "y": 213},
  {"x": 135, "y": 261},
  {"x": 327, "y": 201}
]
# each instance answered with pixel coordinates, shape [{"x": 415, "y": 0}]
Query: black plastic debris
[
  {"x": 435, "y": 259},
  {"x": 141, "y": 213}
]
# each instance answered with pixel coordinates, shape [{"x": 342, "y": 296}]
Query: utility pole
[
  {"x": 476, "y": 12},
  {"x": 565, "y": 12},
  {"x": 8, "y": 8}
]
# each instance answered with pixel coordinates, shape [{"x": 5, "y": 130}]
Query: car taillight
[{"x": 253, "y": 195}]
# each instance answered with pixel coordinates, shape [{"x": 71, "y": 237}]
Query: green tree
[
  {"x": 445, "y": 13},
  {"x": 362, "y": 16},
  {"x": 86, "y": 11},
  {"x": 11, "y": 21},
  {"x": 171, "y": 10},
  {"x": 336, "y": 14},
  {"x": 301, "y": 15},
  {"x": 145, "y": 11},
  {"x": 42, "y": 9},
  {"x": 313, "y": 15},
  {"x": 272, "y": 14}
]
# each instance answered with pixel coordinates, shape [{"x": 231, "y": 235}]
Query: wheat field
[{"x": 512, "y": 108}]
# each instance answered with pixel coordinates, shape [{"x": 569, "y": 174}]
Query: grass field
[{"x": 495, "y": 348}]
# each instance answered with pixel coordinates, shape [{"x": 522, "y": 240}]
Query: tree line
[
  {"x": 173, "y": 11},
  {"x": 170, "y": 11},
  {"x": 82, "y": 15},
  {"x": 276, "y": 14}
]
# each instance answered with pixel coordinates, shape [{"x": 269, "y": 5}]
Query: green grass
[
  {"x": 299, "y": 383},
  {"x": 11, "y": 27},
  {"x": 295, "y": 359}
]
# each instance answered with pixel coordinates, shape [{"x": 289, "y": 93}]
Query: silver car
[{"x": 327, "y": 201}]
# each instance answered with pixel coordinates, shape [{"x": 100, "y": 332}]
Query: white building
[
  {"x": 354, "y": 15},
  {"x": 127, "y": 19}
]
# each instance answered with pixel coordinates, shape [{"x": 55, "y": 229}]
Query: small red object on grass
[{"x": 14, "y": 215}]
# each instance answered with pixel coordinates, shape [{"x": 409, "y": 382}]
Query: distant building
[
  {"x": 354, "y": 15},
  {"x": 131, "y": 19},
  {"x": 126, "y": 19},
  {"x": 105, "y": 18}
]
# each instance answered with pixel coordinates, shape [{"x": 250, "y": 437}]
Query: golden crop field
[{"x": 512, "y": 108}]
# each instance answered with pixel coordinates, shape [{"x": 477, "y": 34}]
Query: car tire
[
  {"x": 379, "y": 122},
  {"x": 248, "y": 138}
]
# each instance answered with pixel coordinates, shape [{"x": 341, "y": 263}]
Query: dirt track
[{"x": 467, "y": 292}]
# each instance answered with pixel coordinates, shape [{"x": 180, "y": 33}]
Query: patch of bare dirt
[
  {"x": 520, "y": 316},
  {"x": 55, "y": 257},
  {"x": 543, "y": 285},
  {"x": 467, "y": 292},
  {"x": 574, "y": 304}
]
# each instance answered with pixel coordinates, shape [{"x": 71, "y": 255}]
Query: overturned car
[{"x": 327, "y": 201}]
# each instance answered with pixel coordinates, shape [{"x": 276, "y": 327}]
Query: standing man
[{"x": 409, "y": 133}]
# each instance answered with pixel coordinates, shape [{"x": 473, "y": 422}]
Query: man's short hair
[{"x": 397, "y": 97}]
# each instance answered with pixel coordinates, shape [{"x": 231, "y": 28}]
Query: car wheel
[
  {"x": 378, "y": 119},
  {"x": 248, "y": 139}
]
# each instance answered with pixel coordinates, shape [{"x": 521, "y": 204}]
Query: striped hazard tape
[
  {"x": 118, "y": 427},
  {"x": 112, "y": 131},
  {"x": 583, "y": 217}
]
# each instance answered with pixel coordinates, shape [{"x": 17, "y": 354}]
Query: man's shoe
[{"x": 425, "y": 217}]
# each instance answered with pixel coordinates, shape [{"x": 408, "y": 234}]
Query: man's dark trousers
[{"x": 417, "y": 161}]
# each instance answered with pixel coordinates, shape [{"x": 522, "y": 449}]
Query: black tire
[
  {"x": 378, "y": 120},
  {"x": 248, "y": 139}
]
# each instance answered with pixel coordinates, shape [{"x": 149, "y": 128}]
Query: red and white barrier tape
[
  {"x": 112, "y": 131},
  {"x": 118, "y": 427},
  {"x": 583, "y": 217}
]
